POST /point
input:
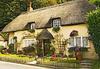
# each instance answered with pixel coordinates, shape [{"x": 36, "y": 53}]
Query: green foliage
[
  {"x": 30, "y": 50},
  {"x": 15, "y": 58},
  {"x": 96, "y": 64},
  {"x": 94, "y": 28},
  {"x": 56, "y": 29},
  {"x": 96, "y": 2},
  {"x": 11, "y": 48},
  {"x": 31, "y": 30},
  {"x": 4, "y": 35},
  {"x": 82, "y": 49},
  {"x": 9, "y": 9},
  {"x": 1, "y": 47},
  {"x": 51, "y": 51}
]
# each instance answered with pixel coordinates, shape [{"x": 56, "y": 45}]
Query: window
[
  {"x": 78, "y": 41},
  {"x": 56, "y": 22},
  {"x": 28, "y": 42},
  {"x": 11, "y": 41},
  {"x": 31, "y": 25}
]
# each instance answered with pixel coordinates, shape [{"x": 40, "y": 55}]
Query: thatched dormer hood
[{"x": 72, "y": 12}]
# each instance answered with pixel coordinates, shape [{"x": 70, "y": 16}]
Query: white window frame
[
  {"x": 32, "y": 26},
  {"x": 11, "y": 41},
  {"x": 56, "y": 22},
  {"x": 26, "y": 42},
  {"x": 81, "y": 42}
]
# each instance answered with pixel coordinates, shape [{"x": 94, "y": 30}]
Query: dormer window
[
  {"x": 56, "y": 22},
  {"x": 31, "y": 25}
]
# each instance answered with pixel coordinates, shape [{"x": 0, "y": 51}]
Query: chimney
[{"x": 29, "y": 5}]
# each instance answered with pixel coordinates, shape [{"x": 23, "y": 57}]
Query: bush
[
  {"x": 20, "y": 52},
  {"x": 15, "y": 58},
  {"x": 96, "y": 2},
  {"x": 94, "y": 29},
  {"x": 56, "y": 29},
  {"x": 4, "y": 51},
  {"x": 96, "y": 64},
  {"x": 1, "y": 47},
  {"x": 11, "y": 48},
  {"x": 72, "y": 51},
  {"x": 83, "y": 49},
  {"x": 30, "y": 50}
]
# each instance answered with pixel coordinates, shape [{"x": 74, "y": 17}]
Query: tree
[
  {"x": 94, "y": 29},
  {"x": 96, "y": 2},
  {"x": 9, "y": 9},
  {"x": 94, "y": 25}
]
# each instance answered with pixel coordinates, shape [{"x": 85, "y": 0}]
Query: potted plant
[{"x": 56, "y": 29}]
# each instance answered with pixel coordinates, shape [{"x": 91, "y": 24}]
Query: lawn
[{"x": 15, "y": 58}]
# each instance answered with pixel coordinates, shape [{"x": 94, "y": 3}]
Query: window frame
[
  {"x": 75, "y": 41},
  {"x": 26, "y": 42},
  {"x": 57, "y": 25},
  {"x": 31, "y": 25}
]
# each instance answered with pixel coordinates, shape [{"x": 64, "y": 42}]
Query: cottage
[{"x": 62, "y": 25}]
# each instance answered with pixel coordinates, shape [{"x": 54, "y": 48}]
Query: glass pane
[
  {"x": 33, "y": 26},
  {"x": 85, "y": 41},
  {"x": 28, "y": 42},
  {"x": 71, "y": 41},
  {"x": 78, "y": 41},
  {"x": 56, "y": 22}
]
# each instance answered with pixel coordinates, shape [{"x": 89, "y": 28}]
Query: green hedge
[
  {"x": 96, "y": 64},
  {"x": 94, "y": 28},
  {"x": 15, "y": 58}
]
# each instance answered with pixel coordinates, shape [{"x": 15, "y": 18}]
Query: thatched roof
[
  {"x": 72, "y": 12},
  {"x": 45, "y": 34}
]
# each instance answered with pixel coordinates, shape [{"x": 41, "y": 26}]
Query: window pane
[
  {"x": 78, "y": 41},
  {"x": 56, "y": 22},
  {"x": 85, "y": 41},
  {"x": 71, "y": 41},
  {"x": 33, "y": 26},
  {"x": 29, "y": 42}
]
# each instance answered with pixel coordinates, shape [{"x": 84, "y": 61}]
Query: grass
[
  {"x": 96, "y": 64},
  {"x": 15, "y": 58}
]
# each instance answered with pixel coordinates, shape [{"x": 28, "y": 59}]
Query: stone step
[
  {"x": 86, "y": 64},
  {"x": 86, "y": 61},
  {"x": 69, "y": 68}
]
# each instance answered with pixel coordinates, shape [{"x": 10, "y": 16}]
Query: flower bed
[
  {"x": 60, "y": 62},
  {"x": 15, "y": 58}
]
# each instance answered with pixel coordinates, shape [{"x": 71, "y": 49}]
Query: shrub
[
  {"x": 1, "y": 47},
  {"x": 96, "y": 2},
  {"x": 56, "y": 29},
  {"x": 4, "y": 51},
  {"x": 20, "y": 52},
  {"x": 31, "y": 30},
  {"x": 96, "y": 64},
  {"x": 83, "y": 49},
  {"x": 94, "y": 29},
  {"x": 11, "y": 48},
  {"x": 30, "y": 50},
  {"x": 15, "y": 58}
]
